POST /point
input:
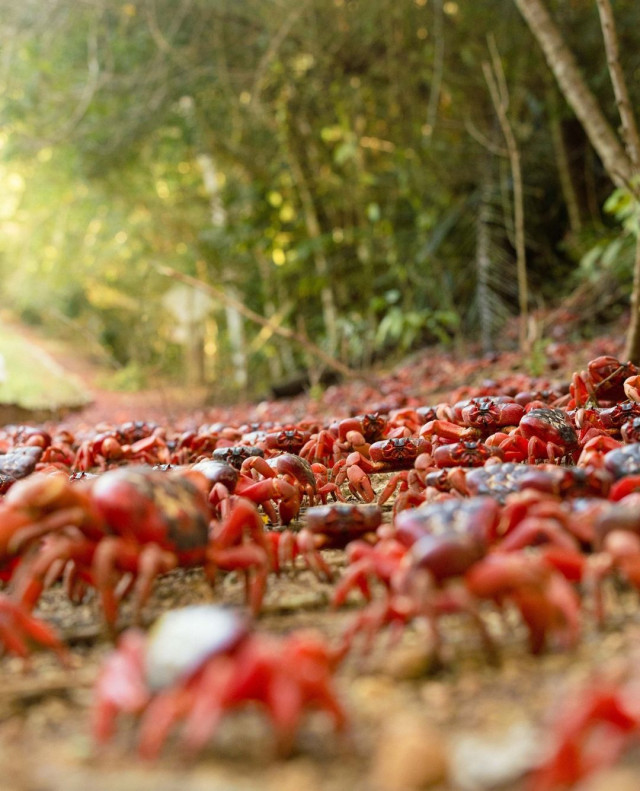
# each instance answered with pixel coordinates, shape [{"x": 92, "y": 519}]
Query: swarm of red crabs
[{"x": 520, "y": 498}]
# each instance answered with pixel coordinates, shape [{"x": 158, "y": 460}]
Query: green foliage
[
  {"x": 339, "y": 136},
  {"x": 613, "y": 253},
  {"x": 402, "y": 329},
  {"x": 131, "y": 378},
  {"x": 34, "y": 381}
]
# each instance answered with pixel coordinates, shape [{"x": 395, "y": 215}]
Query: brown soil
[{"x": 463, "y": 723}]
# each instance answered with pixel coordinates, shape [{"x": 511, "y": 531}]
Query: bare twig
[
  {"x": 284, "y": 332},
  {"x": 438, "y": 66},
  {"x": 494, "y": 76},
  {"x": 484, "y": 141},
  {"x": 31, "y": 690},
  {"x": 272, "y": 50}
]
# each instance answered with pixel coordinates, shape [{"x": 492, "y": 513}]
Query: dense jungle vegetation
[{"x": 368, "y": 175}]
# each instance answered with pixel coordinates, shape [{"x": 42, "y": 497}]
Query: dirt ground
[{"x": 463, "y": 724}]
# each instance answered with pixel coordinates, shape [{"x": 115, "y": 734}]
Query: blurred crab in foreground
[{"x": 202, "y": 661}]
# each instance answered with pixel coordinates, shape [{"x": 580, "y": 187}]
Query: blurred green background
[{"x": 336, "y": 165}]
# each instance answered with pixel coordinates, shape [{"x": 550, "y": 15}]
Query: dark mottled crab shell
[
  {"x": 236, "y": 454},
  {"x": 181, "y": 641},
  {"x": 290, "y": 464},
  {"x": 149, "y": 505},
  {"x": 476, "y": 516},
  {"x": 623, "y": 461},
  {"x": 499, "y": 480},
  {"x": 218, "y": 472},
  {"x": 20, "y": 462},
  {"x": 550, "y": 425}
]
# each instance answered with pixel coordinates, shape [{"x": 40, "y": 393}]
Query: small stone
[
  {"x": 410, "y": 754},
  {"x": 408, "y": 663},
  {"x": 437, "y": 695},
  {"x": 294, "y": 776},
  {"x": 484, "y": 761}
]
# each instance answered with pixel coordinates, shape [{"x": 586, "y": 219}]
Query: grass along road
[{"x": 33, "y": 379}]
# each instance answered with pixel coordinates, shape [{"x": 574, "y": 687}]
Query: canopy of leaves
[{"x": 325, "y": 161}]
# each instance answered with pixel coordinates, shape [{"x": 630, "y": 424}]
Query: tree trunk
[
  {"x": 628, "y": 128},
  {"x": 620, "y": 165},
  {"x": 483, "y": 261},
  {"x": 494, "y": 76},
  {"x": 575, "y": 90},
  {"x": 312, "y": 222},
  {"x": 274, "y": 361},
  {"x": 632, "y": 345},
  {"x": 562, "y": 163},
  {"x": 235, "y": 326}
]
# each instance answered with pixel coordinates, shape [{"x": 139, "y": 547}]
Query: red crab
[
  {"x": 630, "y": 431},
  {"x": 465, "y": 453},
  {"x": 320, "y": 447},
  {"x": 603, "y": 380},
  {"x": 286, "y": 478},
  {"x": 194, "y": 445},
  {"x": 17, "y": 463},
  {"x": 327, "y": 527},
  {"x": 133, "y": 524},
  {"x": 620, "y": 550},
  {"x": 422, "y": 580},
  {"x": 607, "y": 420},
  {"x": 223, "y": 479},
  {"x": 590, "y": 733},
  {"x": 371, "y": 426},
  {"x": 289, "y": 439},
  {"x": 202, "y": 661},
  {"x": 547, "y": 603},
  {"x": 542, "y": 434},
  {"x": 235, "y": 455},
  {"x": 491, "y": 413},
  {"x": 388, "y": 455},
  {"x": 411, "y": 485}
]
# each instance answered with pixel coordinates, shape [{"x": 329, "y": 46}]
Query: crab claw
[
  {"x": 359, "y": 483},
  {"x": 632, "y": 388}
]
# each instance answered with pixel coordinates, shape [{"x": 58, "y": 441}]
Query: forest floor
[{"x": 462, "y": 725}]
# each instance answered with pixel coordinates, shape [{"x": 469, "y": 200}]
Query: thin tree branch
[
  {"x": 438, "y": 66},
  {"x": 284, "y": 332},
  {"x": 484, "y": 141},
  {"x": 496, "y": 82},
  {"x": 272, "y": 50}
]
